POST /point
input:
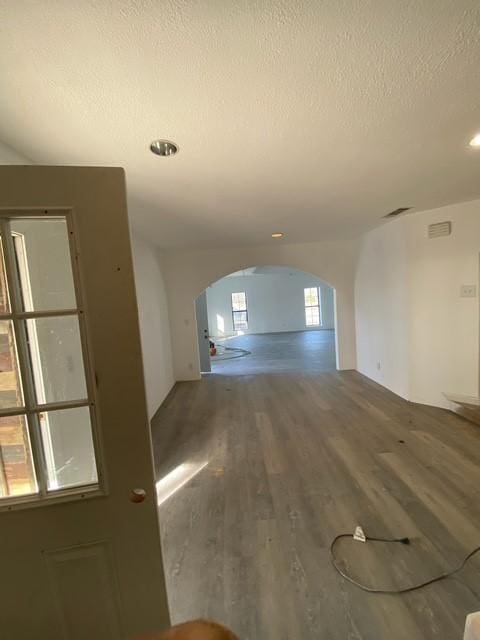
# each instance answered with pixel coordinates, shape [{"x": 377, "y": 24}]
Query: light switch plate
[{"x": 468, "y": 291}]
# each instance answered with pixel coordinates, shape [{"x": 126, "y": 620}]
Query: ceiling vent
[
  {"x": 397, "y": 212},
  {"x": 439, "y": 229}
]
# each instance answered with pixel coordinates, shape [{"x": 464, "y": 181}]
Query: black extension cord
[{"x": 414, "y": 587}]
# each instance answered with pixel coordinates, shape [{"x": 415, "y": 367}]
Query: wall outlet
[
  {"x": 468, "y": 291},
  {"x": 379, "y": 366}
]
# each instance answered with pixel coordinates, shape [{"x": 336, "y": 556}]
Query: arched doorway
[{"x": 264, "y": 319}]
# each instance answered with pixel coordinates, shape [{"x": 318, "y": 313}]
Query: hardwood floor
[
  {"x": 276, "y": 352},
  {"x": 293, "y": 460}
]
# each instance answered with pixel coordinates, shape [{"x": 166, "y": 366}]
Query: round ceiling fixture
[
  {"x": 163, "y": 148},
  {"x": 475, "y": 141},
  {"x": 277, "y": 234}
]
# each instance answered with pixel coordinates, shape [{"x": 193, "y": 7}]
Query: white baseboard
[{"x": 461, "y": 399}]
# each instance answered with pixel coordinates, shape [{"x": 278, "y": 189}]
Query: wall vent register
[{"x": 439, "y": 229}]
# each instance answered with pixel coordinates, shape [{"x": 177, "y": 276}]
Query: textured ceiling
[{"x": 312, "y": 118}]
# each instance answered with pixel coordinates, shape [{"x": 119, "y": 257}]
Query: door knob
[{"x": 138, "y": 495}]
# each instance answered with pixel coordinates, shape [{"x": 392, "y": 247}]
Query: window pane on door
[
  {"x": 17, "y": 476},
  {"x": 57, "y": 360},
  {"x": 44, "y": 266},
  {"x": 48, "y": 366},
  {"x": 68, "y": 445},
  {"x": 10, "y": 385}
]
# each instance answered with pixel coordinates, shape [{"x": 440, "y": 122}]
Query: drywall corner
[{"x": 10, "y": 156}]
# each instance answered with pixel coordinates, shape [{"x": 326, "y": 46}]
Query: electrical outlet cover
[{"x": 359, "y": 534}]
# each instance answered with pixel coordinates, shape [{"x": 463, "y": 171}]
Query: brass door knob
[{"x": 138, "y": 495}]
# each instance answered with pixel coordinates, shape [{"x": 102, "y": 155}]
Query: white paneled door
[{"x": 80, "y": 552}]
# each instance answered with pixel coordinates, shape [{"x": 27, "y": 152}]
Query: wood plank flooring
[
  {"x": 293, "y": 460},
  {"x": 279, "y": 352}
]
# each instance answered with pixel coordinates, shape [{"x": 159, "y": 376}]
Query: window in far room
[
  {"x": 239, "y": 311},
  {"x": 313, "y": 312}
]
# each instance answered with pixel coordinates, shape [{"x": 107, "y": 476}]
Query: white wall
[
  {"x": 154, "y": 324},
  {"x": 382, "y": 307},
  {"x": 188, "y": 273},
  {"x": 409, "y": 313},
  {"x": 444, "y": 326},
  {"x": 275, "y": 302}
]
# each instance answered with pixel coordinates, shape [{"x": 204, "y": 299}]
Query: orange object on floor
[{"x": 193, "y": 630}]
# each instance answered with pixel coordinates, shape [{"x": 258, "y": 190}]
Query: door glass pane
[
  {"x": 17, "y": 476},
  {"x": 44, "y": 266},
  {"x": 10, "y": 384},
  {"x": 57, "y": 361},
  {"x": 4, "y": 302},
  {"x": 68, "y": 446}
]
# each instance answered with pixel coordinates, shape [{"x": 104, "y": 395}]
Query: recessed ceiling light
[
  {"x": 277, "y": 235},
  {"x": 163, "y": 148},
  {"x": 475, "y": 141}
]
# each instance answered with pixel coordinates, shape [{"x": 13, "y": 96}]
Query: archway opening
[{"x": 264, "y": 319}]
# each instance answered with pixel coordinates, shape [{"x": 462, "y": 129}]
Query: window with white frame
[
  {"x": 47, "y": 417},
  {"x": 313, "y": 306},
  {"x": 239, "y": 311}
]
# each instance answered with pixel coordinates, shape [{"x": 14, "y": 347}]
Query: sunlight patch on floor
[{"x": 176, "y": 479}]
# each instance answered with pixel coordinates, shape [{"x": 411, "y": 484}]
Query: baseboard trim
[
  {"x": 466, "y": 406},
  {"x": 458, "y": 398},
  {"x": 385, "y": 386}
]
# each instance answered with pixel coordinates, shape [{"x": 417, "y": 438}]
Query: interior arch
[{"x": 250, "y": 302}]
